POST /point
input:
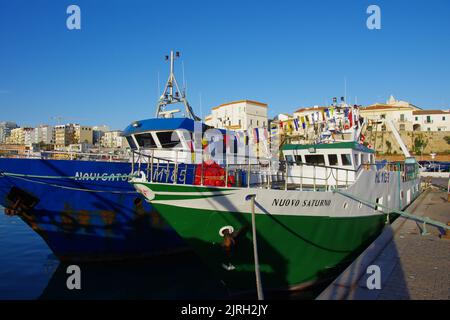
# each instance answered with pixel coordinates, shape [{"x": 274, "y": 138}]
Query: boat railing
[
  {"x": 63, "y": 155},
  {"x": 256, "y": 172}
]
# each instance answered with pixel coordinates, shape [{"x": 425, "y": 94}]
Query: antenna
[
  {"x": 184, "y": 82},
  {"x": 170, "y": 97},
  {"x": 345, "y": 88},
  {"x": 159, "y": 89}
]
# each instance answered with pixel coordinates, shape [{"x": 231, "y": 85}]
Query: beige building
[
  {"x": 64, "y": 135},
  {"x": 238, "y": 115},
  {"x": 431, "y": 120},
  {"x": 113, "y": 139},
  {"x": 399, "y": 112},
  {"x": 44, "y": 134},
  {"x": 20, "y": 136},
  {"x": 83, "y": 134}
]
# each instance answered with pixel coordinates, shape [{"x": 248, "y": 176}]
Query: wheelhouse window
[
  {"x": 145, "y": 140},
  {"x": 332, "y": 159},
  {"x": 315, "y": 159},
  {"x": 346, "y": 159},
  {"x": 356, "y": 159},
  {"x": 131, "y": 142},
  {"x": 289, "y": 159},
  {"x": 165, "y": 139},
  {"x": 298, "y": 160}
]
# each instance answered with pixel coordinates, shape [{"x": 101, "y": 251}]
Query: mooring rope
[
  {"x": 425, "y": 220},
  {"x": 26, "y": 177}
]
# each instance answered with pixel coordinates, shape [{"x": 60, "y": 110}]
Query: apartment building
[
  {"x": 5, "y": 130},
  {"x": 239, "y": 115},
  {"x": 113, "y": 139}
]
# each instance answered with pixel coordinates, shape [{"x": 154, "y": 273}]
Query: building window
[
  {"x": 417, "y": 118},
  {"x": 439, "y": 129},
  {"x": 428, "y": 119},
  {"x": 257, "y": 123},
  {"x": 443, "y": 118},
  {"x": 402, "y": 127},
  {"x": 402, "y": 117},
  {"x": 383, "y": 116},
  {"x": 428, "y": 129}
]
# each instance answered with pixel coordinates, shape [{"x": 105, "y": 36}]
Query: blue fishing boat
[{"x": 85, "y": 209}]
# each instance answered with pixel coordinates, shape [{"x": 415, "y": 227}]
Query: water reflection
[{"x": 180, "y": 276}]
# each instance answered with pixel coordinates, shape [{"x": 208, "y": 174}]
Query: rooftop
[{"x": 241, "y": 101}]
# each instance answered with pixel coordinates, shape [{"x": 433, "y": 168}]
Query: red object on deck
[{"x": 213, "y": 175}]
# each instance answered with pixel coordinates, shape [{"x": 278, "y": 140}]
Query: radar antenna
[{"x": 172, "y": 94}]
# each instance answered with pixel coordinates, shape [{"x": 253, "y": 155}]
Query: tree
[
  {"x": 447, "y": 139},
  {"x": 419, "y": 144}
]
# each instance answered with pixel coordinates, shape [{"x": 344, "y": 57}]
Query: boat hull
[
  {"x": 95, "y": 217},
  {"x": 303, "y": 237}
]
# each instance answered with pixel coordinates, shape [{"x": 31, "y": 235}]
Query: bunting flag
[
  {"x": 302, "y": 120},
  {"x": 327, "y": 111},
  {"x": 204, "y": 143},
  {"x": 332, "y": 111},
  {"x": 323, "y": 115},
  {"x": 266, "y": 134},
  {"x": 256, "y": 135},
  {"x": 289, "y": 128},
  {"x": 350, "y": 118},
  {"x": 296, "y": 124},
  {"x": 192, "y": 149},
  {"x": 307, "y": 120}
]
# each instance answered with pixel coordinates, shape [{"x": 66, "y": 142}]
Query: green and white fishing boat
[{"x": 312, "y": 217}]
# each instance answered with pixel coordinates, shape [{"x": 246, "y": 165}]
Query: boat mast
[{"x": 170, "y": 97}]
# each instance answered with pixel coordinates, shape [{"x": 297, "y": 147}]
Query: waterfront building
[
  {"x": 83, "y": 134},
  {"x": 238, "y": 115},
  {"x": 431, "y": 120},
  {"x": 98, "y": 132},
  {"x": 399, "y": 112},
  {"x": 64, "y": 135},
  {"x": 20, "y": 136},
  {"x": 44, "y": 134},
  {"x": 5, "y": 130},
  {"x": 113, "y": 139}
]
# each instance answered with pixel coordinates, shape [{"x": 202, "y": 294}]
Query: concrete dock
[{"x": 412, "y": 265}]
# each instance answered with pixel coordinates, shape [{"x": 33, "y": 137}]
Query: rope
[
  {"x": 25, "y": 178},
  {"x": 22, "y": 175},
  {"x": 425, "y": 220}
]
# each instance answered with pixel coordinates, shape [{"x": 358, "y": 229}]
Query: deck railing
[
  {"x": 63, "y": 155},
  {"x": 258, "y": 172}
]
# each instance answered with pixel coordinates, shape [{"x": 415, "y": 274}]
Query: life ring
[{"x": 222, "y": 230}]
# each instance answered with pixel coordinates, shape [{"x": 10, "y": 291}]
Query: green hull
[{"x": 293, "y": 250}]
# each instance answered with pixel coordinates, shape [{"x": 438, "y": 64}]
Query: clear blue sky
[{"x": 285, "y": 53}]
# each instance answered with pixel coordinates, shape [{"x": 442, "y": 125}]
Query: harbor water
[{"x": 30, "y": 271}]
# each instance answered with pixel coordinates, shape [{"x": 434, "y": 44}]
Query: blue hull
[{"x": 94, "y": 217}]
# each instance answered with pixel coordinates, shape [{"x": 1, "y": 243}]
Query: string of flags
[{"x": 338, "y": 119}]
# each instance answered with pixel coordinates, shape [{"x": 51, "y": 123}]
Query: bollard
[
  {"x": 447, "y": 232},
  {"x": 448, "y": 191}
]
